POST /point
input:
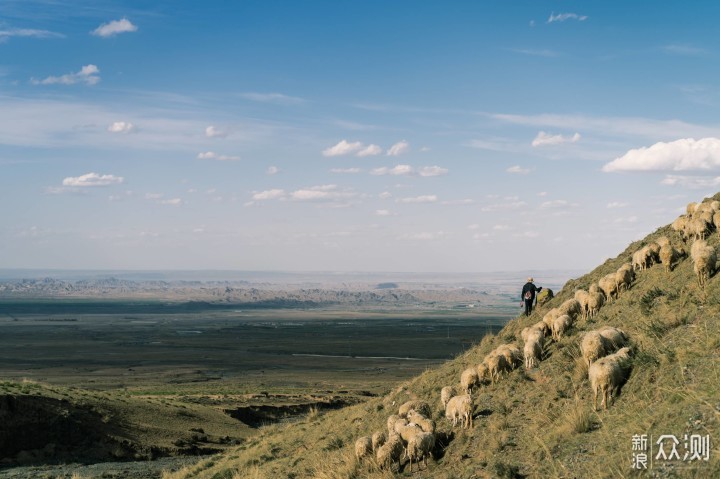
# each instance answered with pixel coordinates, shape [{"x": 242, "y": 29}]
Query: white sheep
[
  {"x": 513, "y": 355},
  {"x": 571, "y": 307},
  {"x": 460, "y": 408},
  {"x": 406, "y": 431},
  {"x": 642, "y": 258},
  {"x": 363, "y": 448},
  {"x": 419, "y": 447},
  {"x": 550, "y": 316},
  {"x": 716, "y": 221},
  {"x": 697, "y": 228},
  {"x": 583, "y": 297},
  {"x": 608, "y": 286},
  {"x": 539, "y": 326},
  {"x": 608, "y": 374},
  {"x": 615, "y": 336},
  {"x": 469, "y": 379},
  {"x": 680, "y": 224},
  {"x": 594, "y": 346},
  {"x": 668, "y": 254},
  {"x": 445, "y": 394},
  {"x": 496, "y": 364},
  {"x": 533, "y": 348},
  {"x": 624, "y": 276},
  {"x": 483, "y": 372},
  {"x": 424, "y": 423},
  {"x": 595, "y": 301},
  {"x": 419, "y": 406},
  {"x": 390, "y": 452},
  {"x": 704, "y": 257},
  {"x": 561, "y": 324},
  {"x": 391, "y": 420},
  {"x": 378, "y": 439}
]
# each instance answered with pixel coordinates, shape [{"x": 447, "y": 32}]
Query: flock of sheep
[{"x": 604, "y": 350}]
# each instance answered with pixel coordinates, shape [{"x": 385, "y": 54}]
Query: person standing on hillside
[{"x": 528, "y": 295}]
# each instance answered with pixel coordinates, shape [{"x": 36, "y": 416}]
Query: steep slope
[{"x": 540, "y": 423}]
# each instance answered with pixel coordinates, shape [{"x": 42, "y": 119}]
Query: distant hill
[{"x": 540, "y": 423}]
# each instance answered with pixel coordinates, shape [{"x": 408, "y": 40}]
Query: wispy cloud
[
  {"x": 215, "y": 132},
  {"x": 683, "y": 49},
  {"x": 349, "y": 171},
  {"x": 407, "y": 170},
  {"x": 321, "y": 193},
  {"x": 518, "y": 170},
  {"x": 121, "y": 127},
  {"x": 370, "y": 150},
  {"x": 277, "y": 98},
  {"x": 536, "y": 53},
  {"x": 89, "y": 75},
  {"x": 691, "y": 182},
  {"x": 27, "y": 33},
  {"x": 272, "y": 170},
  {"x": 546, "y": 139},
  {"x": 398, "y": 148},
  {"x": 419, "y": 199},
  {"x": 172, "y": 202},
  {"x": 211, "y": 155},
  {"x": 561, "y": 17},
  {"x": 680, "y": 155},
  {"x": 616, "y": 204},
  {"x": 425, "y": 236},
  {"x": 114, "y": 27},
  {"x": 553, "y": 204},
  {"x": 92, "y": 179},
  {"x": 342, "y": 148},
  {"x": 508, "y": 205},
  {"x": 383, "y": 213},
  {"x": 274, "y": 194}
]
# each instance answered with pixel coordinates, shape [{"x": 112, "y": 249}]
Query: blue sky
[{"x": 348, "y": 135}]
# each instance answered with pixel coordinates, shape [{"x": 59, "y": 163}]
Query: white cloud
[
  {"x": 510, "y": 205},
  {"x": 616, "y": 204},
  {"x": 321, "y": 193},
  {"x": 273, "y": 194},
  {"x": 88, "y": 74},
  {"x": 277, "y": 98},
  {"x": 27, "y": 32},
  {"x": 419, "y": 199},
  {"x": 153, "y": 196},
  {"x": 350, "y": 171},
  {"x": 425, "y": 236},
  {"x": 214, "y": 132},
  {"x": 172, "y": 202},
  {"x": 342, "y": 148},
  {"x": 396, "y": 170},
  {"x": 542, "y": 193},
  {"x": 692, "y": 182},
  {"x": 561, "y": 17},
  {"x": 385, "y": 195},
  {"x": 545, "y": 139},
  {"x": 121, "y": 127},
  {"x": 432, "y": 171},
  {"x": 527, "y": 234},
  {"x": 628, "y": 219},
  {"x": 211, "y": 155},
  {"x": 501, "y": 227},
  {"x": 370, "y": 150},
  {"x": 113, "y": 28},
  {"x": 518, "y": 170},
  {"x": 465, "y": 201},
  {"x": 557, "y": 204},
  {"x": 680, "y": 155},
  {"x": 398, "y": 148},
  {"x": 92, "y": 179},
  {"x": 272, "y": 170},
  {"x": 383, "y": 213},
  {"x": 474, "y": 226},
  {"x": 424, "y": 149}
]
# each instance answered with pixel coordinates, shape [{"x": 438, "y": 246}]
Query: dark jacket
[{"x": 532, "y": 288}]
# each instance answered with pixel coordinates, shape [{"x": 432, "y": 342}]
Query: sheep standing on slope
[
  {"x": 513, "y": 355},
  {"x": 594, "y": 346},
  {"x": 608, "y": 374},
  {"x": 460, "y": 408},
  {"x": 445, "y": 394},
  {"x": 533, "y": 347},
  {"x": 469, "y": 379},
  {"x": 608, "y": 286},
  {"x": 427, "y": 425},
  {"x": 625, "y": 276},
  {"x": 550, "y": 316},
  {"x": 390, "y": 452},
  {"x": 496, "y": 364},
  {"x": 583, "y": 297},
  {"x": 419, "y": 447},
  {"x": 561, "y": 324},
  {"x": 716, "y": 221},
  {"x": 571, "y": 307},
  {"x": 596, "y": 300},
  {"x": 616, "y": 336},
  {"x": 420, "y": 406},
  {"x": 363, "y": 448},
  {"x": 704, "y": 257},
  {"x": 668, "y": 255}
]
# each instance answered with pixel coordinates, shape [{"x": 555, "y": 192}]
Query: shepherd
[{"x": 528, "y": 295}]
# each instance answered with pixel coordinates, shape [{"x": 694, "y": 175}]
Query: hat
[{"x": 530, "y": 279}]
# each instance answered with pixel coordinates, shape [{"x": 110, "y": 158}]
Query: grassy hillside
[{"x": 538, "y": 423}]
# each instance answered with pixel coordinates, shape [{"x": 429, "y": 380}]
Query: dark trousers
[{"x": 528, "y": 306}]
